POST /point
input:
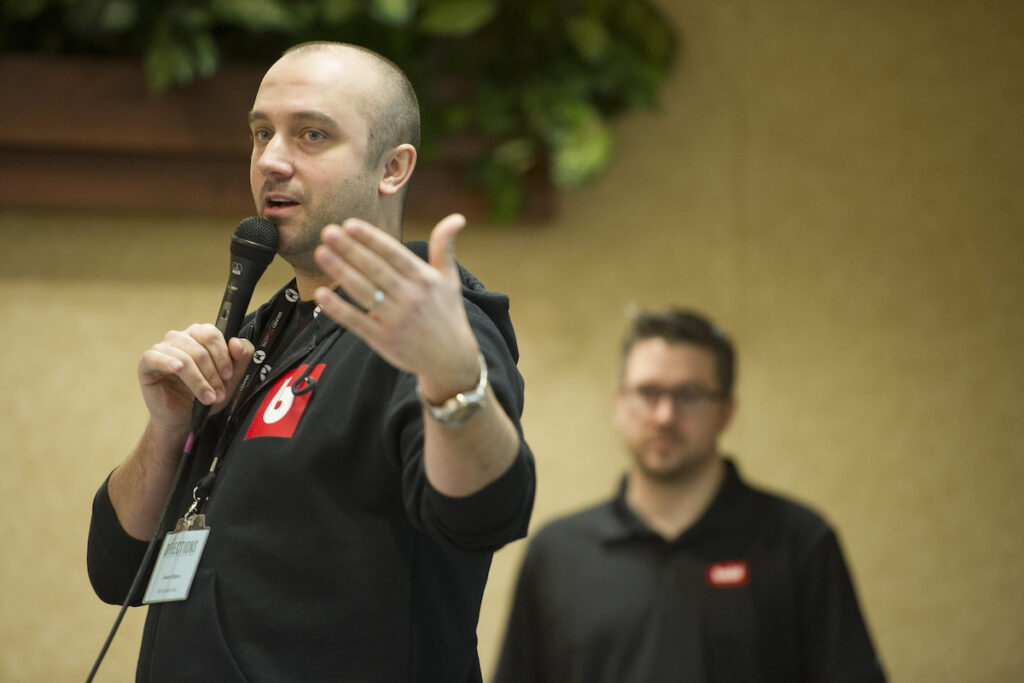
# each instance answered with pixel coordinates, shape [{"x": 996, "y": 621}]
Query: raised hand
[{"x": 412, "y": 311}]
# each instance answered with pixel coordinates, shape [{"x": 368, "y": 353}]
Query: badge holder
[{"x": 179, "y": 556}]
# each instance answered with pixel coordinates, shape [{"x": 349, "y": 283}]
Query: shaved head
[{"x": 391, "y": 110}]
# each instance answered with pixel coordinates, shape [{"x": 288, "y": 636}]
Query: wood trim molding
[{"x": 87, "y": 133}]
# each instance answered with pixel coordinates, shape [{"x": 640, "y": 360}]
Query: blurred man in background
[{"x": 688, "y": 573}]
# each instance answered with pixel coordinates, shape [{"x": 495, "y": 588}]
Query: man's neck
[
  {"x": 670, "y": 507},
  {"x": 307, "y": 282}
]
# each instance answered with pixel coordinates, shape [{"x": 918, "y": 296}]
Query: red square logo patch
[
  {"x": 728, "y": 574},
  {"x": 279, "y": 413}
]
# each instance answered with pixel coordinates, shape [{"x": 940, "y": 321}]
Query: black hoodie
[{"x": 330, "y": 556}]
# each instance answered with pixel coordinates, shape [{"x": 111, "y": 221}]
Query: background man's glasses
[{"x": 685, "y": 399}]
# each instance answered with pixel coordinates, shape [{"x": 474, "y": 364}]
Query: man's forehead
[
  {"x": 656, "y": 358},
  {"x": 339, "y": 64},
  {"x": 324, "y": 72},
  {"x": 312, "y": 85}
]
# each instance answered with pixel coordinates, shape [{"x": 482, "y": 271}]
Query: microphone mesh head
[{"x": 259, "y": 231}]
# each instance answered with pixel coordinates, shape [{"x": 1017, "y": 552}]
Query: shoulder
[
  {"x": 592, "y": 518},
  {"x": 587, "y": 526},
  {"x": 786, "y": 515}
]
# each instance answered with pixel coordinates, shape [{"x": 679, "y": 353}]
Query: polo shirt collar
[{"x": 727, "y": 511}]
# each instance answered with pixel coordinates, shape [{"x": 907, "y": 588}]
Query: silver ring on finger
[{"x": 378, "y": 298}]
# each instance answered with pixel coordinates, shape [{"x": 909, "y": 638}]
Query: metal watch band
[{"x": 461, "y": 406}]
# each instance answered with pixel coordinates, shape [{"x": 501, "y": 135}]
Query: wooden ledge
[{"x": 87, "y": 133}]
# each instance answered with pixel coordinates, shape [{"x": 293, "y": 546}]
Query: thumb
[
  {"x": 442, "y": 243},
  {"x": 241, "y": 351}
]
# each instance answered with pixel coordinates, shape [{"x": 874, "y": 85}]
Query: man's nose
[
  {"x": 665, "y": 410},
  {"x": 275, "y": 158}
]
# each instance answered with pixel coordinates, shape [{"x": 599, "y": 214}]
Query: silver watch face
[
  {"x": 458, "y": 409},
  {"x": 462, "y": 406}
]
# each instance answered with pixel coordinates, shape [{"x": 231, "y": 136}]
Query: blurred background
[{"x": 839, "y": 184}]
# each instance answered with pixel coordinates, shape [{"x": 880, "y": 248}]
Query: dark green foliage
[{"x": 531, "y": 82}]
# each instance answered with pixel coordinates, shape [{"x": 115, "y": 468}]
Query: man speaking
[{"x": 363, "y": 457}]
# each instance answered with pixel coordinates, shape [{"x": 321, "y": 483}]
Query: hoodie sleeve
[
  {"x": 113, "y": 557},
  {"x": 500, "y": 512}
]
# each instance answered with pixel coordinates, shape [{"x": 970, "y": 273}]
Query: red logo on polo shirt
[
  {"x": 728, "y": 574},
  {"x": 280, "y": 411}
]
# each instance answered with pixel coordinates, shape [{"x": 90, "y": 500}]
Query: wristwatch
[{"x": 461, "y": 406}]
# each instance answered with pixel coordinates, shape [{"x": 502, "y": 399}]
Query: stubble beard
[
  {"x": 682, "y": 467},
  {"x": 345, "y": 201}
]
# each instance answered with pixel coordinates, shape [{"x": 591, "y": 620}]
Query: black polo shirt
[{"x": 756, "y": 590}]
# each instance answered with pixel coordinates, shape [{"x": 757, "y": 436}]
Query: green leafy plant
[{"x": 514, "y": 87}]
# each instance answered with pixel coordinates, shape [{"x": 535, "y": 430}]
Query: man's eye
[
  {"x": 314, "y": 135},
  {"x": 649, "y": 394},
  {"x": 688, "y": 396},
  {"x": 261, "y": 135}
]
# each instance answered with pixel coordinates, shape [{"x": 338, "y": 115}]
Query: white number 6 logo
[{"x": 280, "y": 405}]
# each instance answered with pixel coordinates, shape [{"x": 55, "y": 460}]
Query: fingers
[
  {"x": 408, "y": 310},
  {"x": 363, "y": 260},
  {"x": 349, "y": 316},
  {"x": 198, "y": 357},
  {"x": 369, "y": 264}
]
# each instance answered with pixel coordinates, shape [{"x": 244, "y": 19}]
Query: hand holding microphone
[
  {"x": 204, "y": 362},
  {"x": 199, "y": 362}
]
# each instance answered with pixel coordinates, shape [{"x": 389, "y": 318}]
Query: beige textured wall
[{"x": 839, "y": 183}]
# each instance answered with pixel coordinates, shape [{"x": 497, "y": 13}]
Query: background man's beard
[{"x": 681, "y": 470}]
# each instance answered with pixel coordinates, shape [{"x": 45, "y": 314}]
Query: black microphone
[{"x": 252, "y": 249}]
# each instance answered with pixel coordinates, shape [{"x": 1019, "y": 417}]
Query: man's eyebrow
[{"x": 298, "y": 117}]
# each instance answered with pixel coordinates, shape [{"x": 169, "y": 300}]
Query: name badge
[{"x": 176, "y": 566}]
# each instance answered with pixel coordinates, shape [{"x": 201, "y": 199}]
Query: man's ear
[
  {"x": 398, "y": 169},
  {"x": 728, "y": 409}
]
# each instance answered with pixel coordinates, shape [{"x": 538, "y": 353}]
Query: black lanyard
[
  {"x": 272, "y": 342},
  {"x": 269, "y": 346}
]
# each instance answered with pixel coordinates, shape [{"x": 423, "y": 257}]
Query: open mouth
[{"x": 280, "y": 203}]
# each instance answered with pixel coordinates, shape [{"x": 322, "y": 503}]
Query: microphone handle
[{"x": 244, "y": 275}]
